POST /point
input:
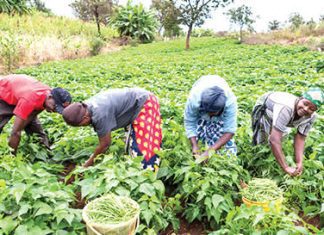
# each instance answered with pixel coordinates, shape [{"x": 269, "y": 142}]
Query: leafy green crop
[
  {"x": 124, "y": 176},
  {"x": 207, "y": 192},
  {"x": 34, "y": 202},
  {"x": 210, "y": 190},
  {"x": 244, "y": 220}
]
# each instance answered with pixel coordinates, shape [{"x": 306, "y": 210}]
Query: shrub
[
  {"x": 135, "y": 22},
  {"x": 96, "y": 44},
  {"x": 9, "y": 51},
  {"x": 202, "y": 33}
]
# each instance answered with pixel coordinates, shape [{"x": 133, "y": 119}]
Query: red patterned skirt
[{"x": 146, "y": 134}]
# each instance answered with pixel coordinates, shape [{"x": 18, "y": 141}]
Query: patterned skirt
[
  {"x": 209, "y": 133},
  {"x": 145, "y": 137}
]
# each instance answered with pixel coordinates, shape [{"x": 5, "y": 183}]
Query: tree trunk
[
  {"x": 188, "y": 37},
  {"x": 241, "y": 34},
  {"x": 160, "y": 30},
  {"x": 96, "y": 14}
]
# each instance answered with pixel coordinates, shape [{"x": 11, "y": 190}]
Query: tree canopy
[
  {"x": 168, "y": 16},
  {"x": 242, "y": 16},
  {"x": 195, "y": 12},
  {"x": 273, "y": 25},
  {"x": 99, "y": 11}
]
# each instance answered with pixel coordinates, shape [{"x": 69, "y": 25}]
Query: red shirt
[{"x": 24, "y": 92}]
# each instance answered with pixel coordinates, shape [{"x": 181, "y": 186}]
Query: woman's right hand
[{"x": 290, "y": 170}]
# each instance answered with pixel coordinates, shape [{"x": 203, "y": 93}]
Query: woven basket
[{"x": 125, "y": 228}]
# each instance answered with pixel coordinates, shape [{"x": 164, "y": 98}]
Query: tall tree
[
  {"x": 296, "y": 20},
  {"x": 242, "y": 16},
  {"x": 168, "y": 15},
  {"x": 311, "y": 23},
  {"x": 195, "y": 12},
  {"x": 274, "y": 25},
  {"x": 321, "y": 18},
  {"x": 99, "y": 11}
]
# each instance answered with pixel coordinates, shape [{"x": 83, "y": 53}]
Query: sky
[{"x": 265, "y": 10}]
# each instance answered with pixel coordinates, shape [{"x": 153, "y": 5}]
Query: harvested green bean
[
  {"x": 111, "y": 209},
  {"x": 262, "y": 190}
]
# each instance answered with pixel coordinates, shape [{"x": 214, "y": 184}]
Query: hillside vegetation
[
  {"x": 311, "y": 36},
  {"x": 36, "y": 38}
]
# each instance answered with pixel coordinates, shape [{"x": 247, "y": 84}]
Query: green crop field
[{"x": 35, "y": 200}]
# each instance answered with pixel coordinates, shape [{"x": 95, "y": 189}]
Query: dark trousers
[{"x": 33, "y": 127}]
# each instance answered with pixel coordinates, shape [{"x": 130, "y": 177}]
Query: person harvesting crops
[
  {"x": 276, "y": 113},
  {"x": 120, "y": 108},
  {"x": 210, "y": 116},
  {"x": 24, "y": 97}
]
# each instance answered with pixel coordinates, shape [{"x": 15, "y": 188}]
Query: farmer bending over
[
  {"x": 274, "y": 114},
  {"x": 210, "y": 115},
  {"x": 24, "y": 97},
  {"x": 119, "y": 108}
]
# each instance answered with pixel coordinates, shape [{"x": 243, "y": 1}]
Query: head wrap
[
  {"x": 213, "y": 99},
  {"x": 74, "y": 113},
  {"x": 315, "y": 95}
]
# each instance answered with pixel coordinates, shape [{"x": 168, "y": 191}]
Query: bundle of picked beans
[
  {"x": 262, "y": 190},
  {"x": 111, "y": 209}
]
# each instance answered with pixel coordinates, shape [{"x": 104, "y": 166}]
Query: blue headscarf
[{"x": 213, "y": 100}]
